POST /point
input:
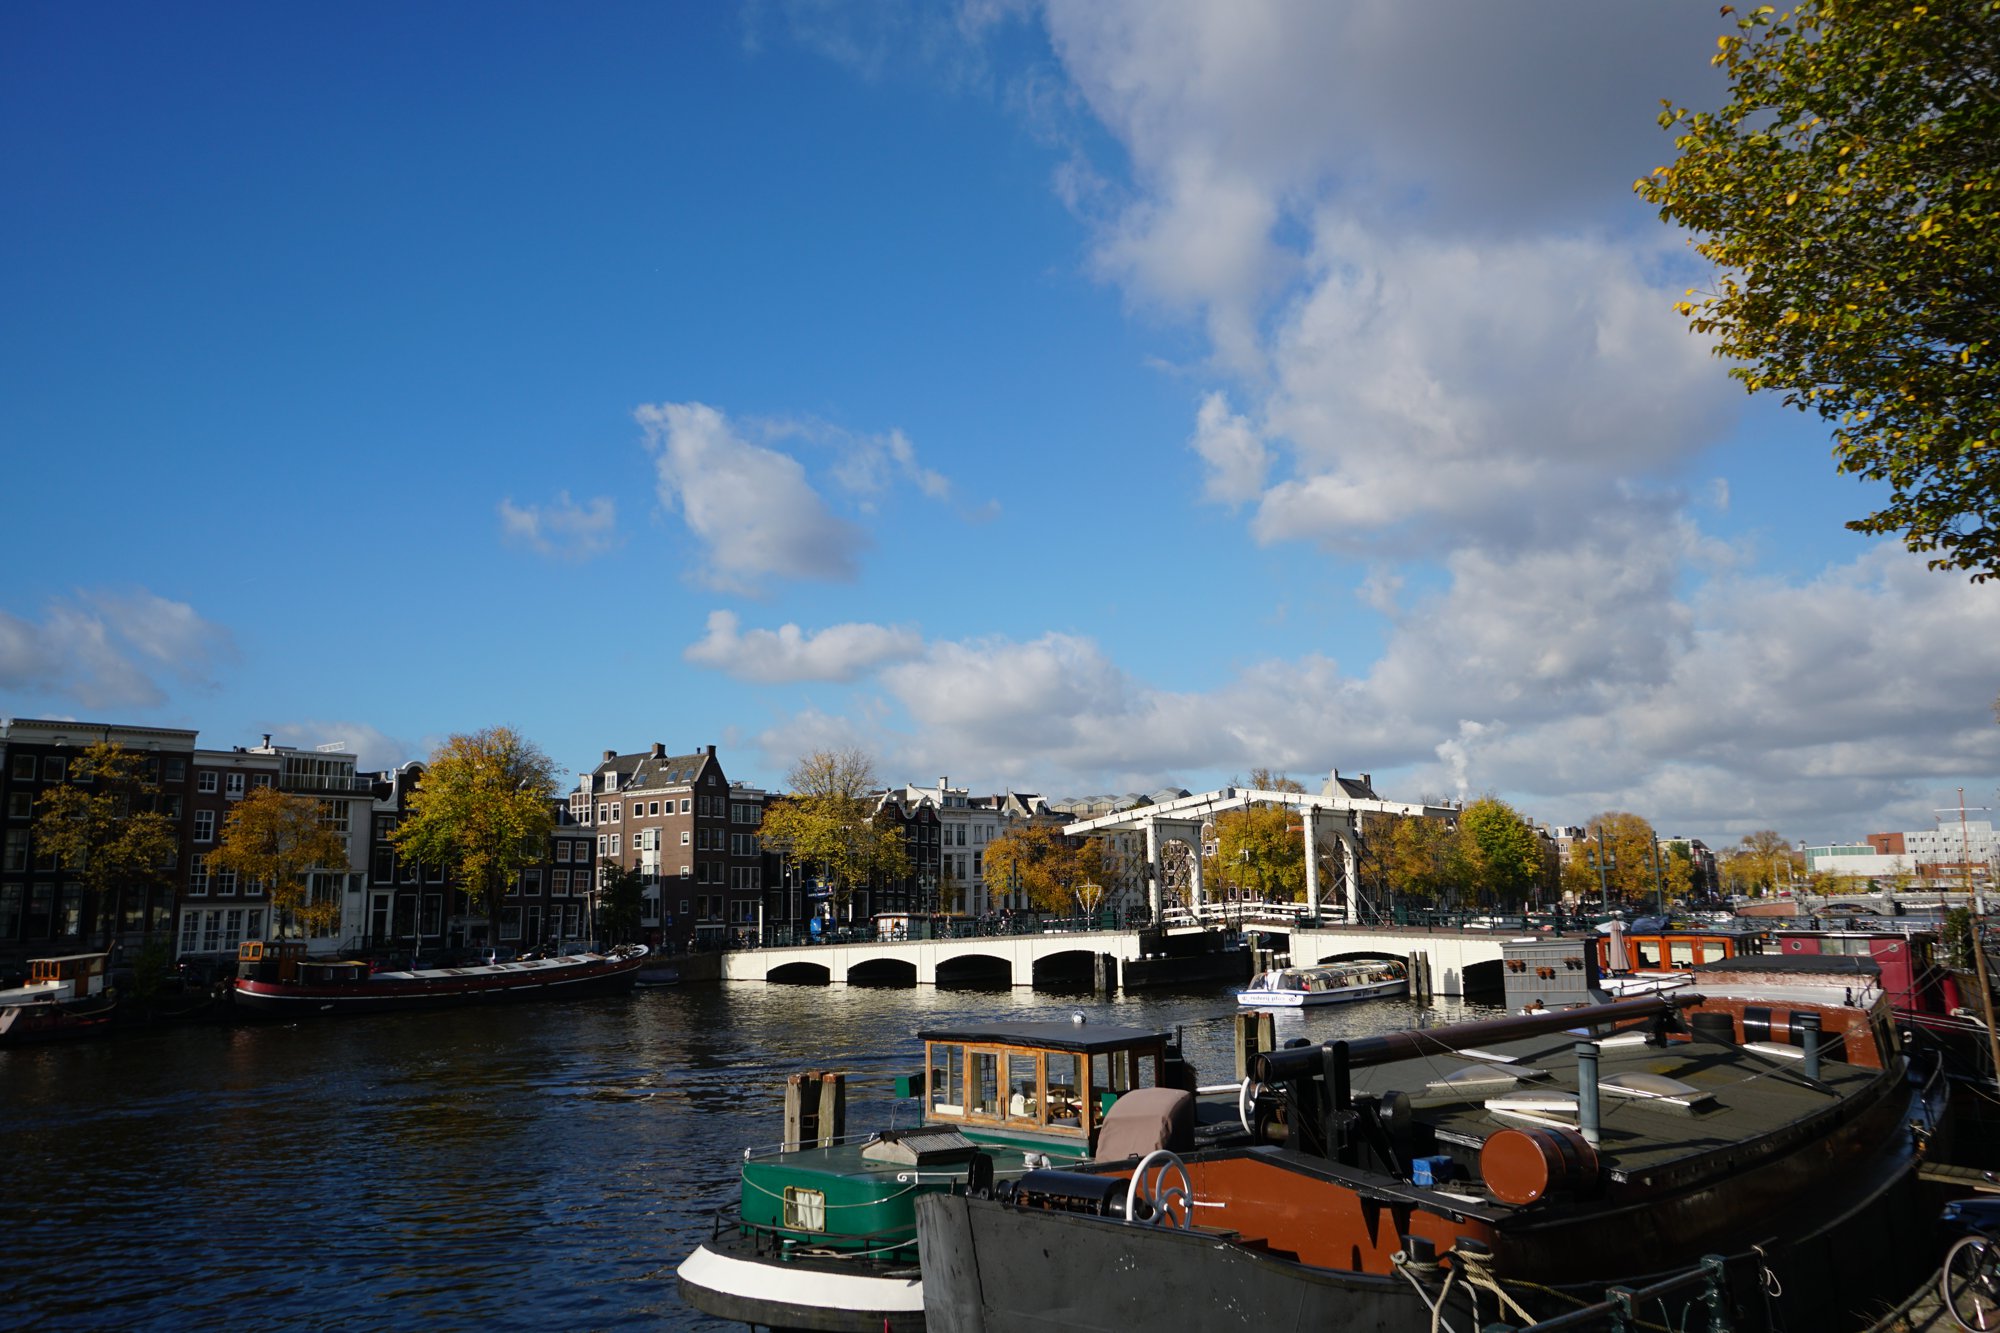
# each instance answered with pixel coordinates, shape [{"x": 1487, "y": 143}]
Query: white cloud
[
  {"x": 752, "y": 508},
  {"x": 375, "y": 750},
  {"x": 564, "y": 529},
  {"x": 790, "y": 654},
  {"x": 108, "y": 648},
  {"x": 1236, "y": 458}
]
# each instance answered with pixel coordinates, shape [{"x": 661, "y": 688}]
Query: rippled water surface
[{"x": 541, "y": 1166}]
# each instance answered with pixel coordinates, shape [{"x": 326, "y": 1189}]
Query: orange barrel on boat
[{"x": 1523, "y": 1165}]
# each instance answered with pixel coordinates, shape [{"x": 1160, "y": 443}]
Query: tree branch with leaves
[
  {"x": 483, "y": 810},
  {"x": 1849, "y": 195},
  {"x": 95, "y": 827},
  {"x": 277, "y": 839}
]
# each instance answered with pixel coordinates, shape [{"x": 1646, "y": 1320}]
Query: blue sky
[{"x": 1072, "y": 398}]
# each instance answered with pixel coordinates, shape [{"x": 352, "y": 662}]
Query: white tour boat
[{"x": 1327, "y": 983}]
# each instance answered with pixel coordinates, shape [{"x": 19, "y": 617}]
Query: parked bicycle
[{"x": 1970, "y": 1279}]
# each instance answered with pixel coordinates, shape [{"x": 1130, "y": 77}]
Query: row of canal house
[{"x": 691, "y": 833}]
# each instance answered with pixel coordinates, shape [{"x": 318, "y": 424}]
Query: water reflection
[{"x": 542, "y": 1166}]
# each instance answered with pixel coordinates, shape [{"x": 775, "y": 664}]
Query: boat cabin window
[
  {"x": 947, "y": 1079},
  {"x": 1645, "y": 953},
  {"x": 982, "y": 1083},
  {"x": 1122, "y": 1071},
  {"x": 1065, "y": 1084},
  {"x": 1024, "y": 1087},
  {"x": 1683, "y": 953}
]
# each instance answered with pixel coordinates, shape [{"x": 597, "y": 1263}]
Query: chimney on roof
[
  {"x": 267, "y": 740},
  {"x": 609, "y": 755},
  {"x": 659, "y": 750},
  {"x": 711, "y": 751},
  {"x": 1367, "y": 783}
]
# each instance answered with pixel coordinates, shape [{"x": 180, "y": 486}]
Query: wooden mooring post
[
  {"x": 815, "y": 1109},
  {"x": 1256, "y": 1032},
  {"x": 1420, "y": 976}
]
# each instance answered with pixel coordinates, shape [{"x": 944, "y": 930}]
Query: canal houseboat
[
  {"x": 1731, "y": 1154},
  {"x": 275, "y": 979},
  {"x": 823, "y": 1232},
  {"x": 69, "y": 996},
  {"x": 1326, "y": 983},
  {"x": 1631, "y": 962}
]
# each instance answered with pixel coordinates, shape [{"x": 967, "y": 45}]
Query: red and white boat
[
  {"x": 276, "y": 980},
  {"x": 64, "y": 997}
]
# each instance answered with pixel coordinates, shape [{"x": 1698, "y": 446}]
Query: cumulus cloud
[
  {"x": 1569, "y": 688},
  {"x": 752, "y": 508},
  {"x": 790, "y": 654},
  {"x": 375, "y": 750},
  {"x": 107, "y": 648},
  {"x": 564, "y": 529}
]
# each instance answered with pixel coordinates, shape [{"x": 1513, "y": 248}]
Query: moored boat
[
  {"x": 64, "y": 997},
  {"x": 1746, "y": 1146},
  {"x": 823, "y": 1233},
  {"x": 276, "y": 980},
  {"x": 1326, "y": 983}
]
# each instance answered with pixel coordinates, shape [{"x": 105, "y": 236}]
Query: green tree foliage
[
  {"x": 278, "y": 839},
  {"x": 99, "y": 826},
  {"x": 1059, "y": 873},
  {"x": 1502, "y": 851},
  {"x": 621, "y": 905},
  {"x": 483, "y": 811},
  {"x": 827, "y": 823},
  {"x": 1849, "y": 192}
]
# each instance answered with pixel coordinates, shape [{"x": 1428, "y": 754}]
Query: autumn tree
[
  {"x": 1626, "y": 848},
  {"x": 826, "y": 823},
  {"x": 1059, "y": 873},
  {"x": 101, "y": 827},
  {"x": 1849, "y": 192},
  {"x": 1260, "y": 848},
  {"x": 482, "y": 810},
  {"x": 277, "y": 839},
  {"x": 1771, "y": 857},
  {"x": 1425, "y": 858}
]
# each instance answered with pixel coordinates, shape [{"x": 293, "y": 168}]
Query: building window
[
  {"x": 684, "y": 837},
  {"x": 204, "y": 826},
  {"x": 654, "y": 808},
  {"x": 233, "y": 786},
  {"x": 16, "y": 856},
  {"x": 198, "y": 877},
  {"x": 617, "y": 811},
  {"x": 531, "y": 881},
  {"x": 562, "y": 849},
  {"x": 225, "y": 883},
  {"x": 510, "y": 923},
  {"x": 52, "y": 768},
  {"x": 24, "y": 768},
  {"x": 558, "y": 883},
  {"x": 260, "y": 779},
  {"x": 190, "y": 931},
  {"x": 614, "y": 844},
  {"x": 20, "y": 805},
  {"x": 686, "y": 805},
  {"x": 603, "y": 844},
  {"x": 176, "y": 770}
]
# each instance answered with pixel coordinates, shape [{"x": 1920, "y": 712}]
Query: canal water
[{"x": 536, "y": 1166}]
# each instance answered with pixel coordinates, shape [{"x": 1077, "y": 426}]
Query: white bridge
[{"x": 1458, "y": 959}]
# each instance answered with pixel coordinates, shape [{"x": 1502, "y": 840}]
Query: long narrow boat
[
  {"x": 1756, "y": 1152},
  {"x": 1326, "y": 983},
  {"x": 823, "y": 1232},
  {"x": 66, "y": 997},
  {"x": 275, "y": 980}
]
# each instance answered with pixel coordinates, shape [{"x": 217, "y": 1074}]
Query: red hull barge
[{"x": 287, "y": 986}]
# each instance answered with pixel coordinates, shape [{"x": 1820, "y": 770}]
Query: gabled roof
[{"x": 652, "y": 769}]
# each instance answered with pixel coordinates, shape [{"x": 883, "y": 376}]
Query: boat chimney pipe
[
  {"x": 1808, "y": 1026},
  {"x": 1586, "y": 1092}
]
